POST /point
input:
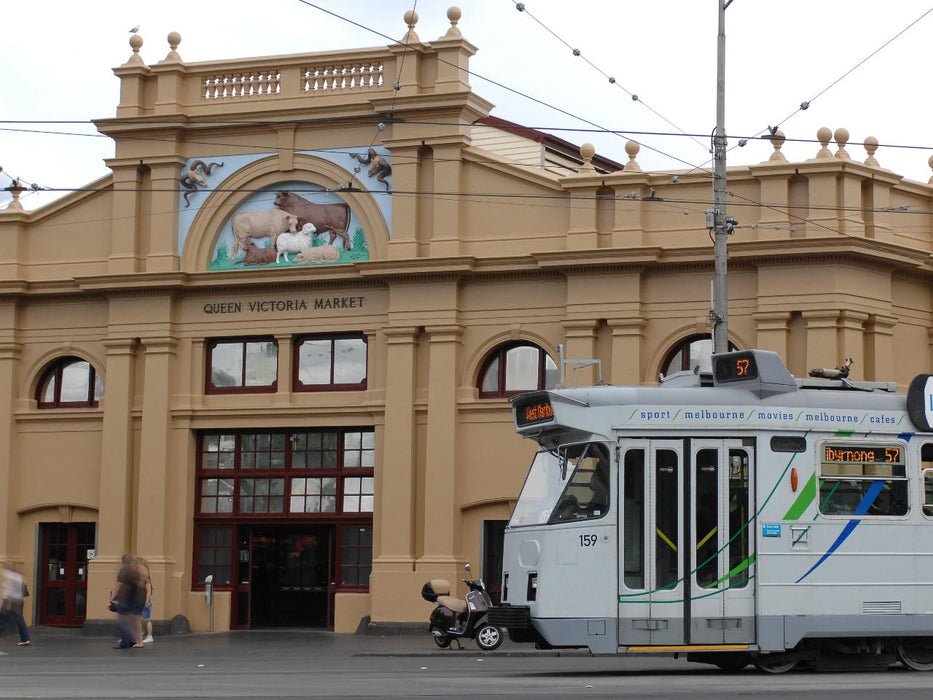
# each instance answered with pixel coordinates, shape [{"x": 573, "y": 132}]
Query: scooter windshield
[{"x": 544, "y": 484}]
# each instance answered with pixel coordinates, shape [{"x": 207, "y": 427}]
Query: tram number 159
[{"x": 587, "y": 540}]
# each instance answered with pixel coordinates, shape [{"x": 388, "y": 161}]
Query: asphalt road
[{"x": 314, "y": 664}]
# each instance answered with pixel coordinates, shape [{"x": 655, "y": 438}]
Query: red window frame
[
  {"x": 242, "y": 388},
  {"x": 335, "y": 456},
  {"x": 54, "y": 373},
  {"x": 500, "y": 354},
  {"x": 298, "y": 385}
]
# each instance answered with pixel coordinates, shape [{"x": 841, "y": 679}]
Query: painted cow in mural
[
  {"x": 268, "y": 223},
  {"x": 325, "y": 217}
]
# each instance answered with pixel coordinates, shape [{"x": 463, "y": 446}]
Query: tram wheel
[
  {"x": 488, "y": 637},
  {"x": 774, "y": 663},
  {"x": 916, "y": 653},
  {"x": 731, "y": 662}
]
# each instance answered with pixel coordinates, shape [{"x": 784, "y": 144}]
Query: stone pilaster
[
  {"x": 879, "y": 348},
  {"x": 10, "y": 353},
  {"x": 116, "y": 499},
  {"x": 773, "y": 332},
  {"x": 628, "y": 339},
  {"x": 580, "y": 344},
  {"x": 822, "y": 339},
  {"x": 441, "y": 536},
  {"x": 393, "y": 516}
]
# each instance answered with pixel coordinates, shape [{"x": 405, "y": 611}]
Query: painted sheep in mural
[
  {"x": 322, "y": 253},
  {"x": 294, "y": 242},
  {"x": 268, "y": 223},
  {"x": 325, "y": 217}
]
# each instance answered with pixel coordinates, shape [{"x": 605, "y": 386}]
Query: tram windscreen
[{"x": 543, "y": 486}]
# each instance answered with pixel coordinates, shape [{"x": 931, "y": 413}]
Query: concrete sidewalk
[{"x": 52, "y": 642}]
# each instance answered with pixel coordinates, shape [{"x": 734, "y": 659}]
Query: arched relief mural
[{"x": 258, "y": 216}]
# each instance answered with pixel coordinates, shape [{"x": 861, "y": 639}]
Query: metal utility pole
[{"x": 721, "y": 224}]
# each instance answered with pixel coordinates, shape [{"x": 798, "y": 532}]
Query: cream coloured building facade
[{"x": 323, "y": 428}]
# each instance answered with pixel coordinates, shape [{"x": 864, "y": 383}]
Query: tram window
[
  {"x": 928, "y": 492},
  {"x": 866, "y": 479},
  {"x": 587, "y": 493},
  {"x": 707, "y": 517},
  {"x": 667, "y": 510},
  {"x": 926, "y": 464},
  {"x": 633, "y": 518},
  {"x": 788, "y": 443},
  {"x": 739, "y": 531}
]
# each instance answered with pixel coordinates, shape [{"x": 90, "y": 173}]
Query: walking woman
[{"x": 14, "y": 590}]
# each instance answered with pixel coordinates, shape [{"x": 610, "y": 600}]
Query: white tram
[{"x": 739, "y": 516}]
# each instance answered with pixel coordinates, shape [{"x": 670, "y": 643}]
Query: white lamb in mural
[{"x": 294, "y": 242}]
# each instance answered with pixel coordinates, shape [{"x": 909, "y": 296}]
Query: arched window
[
  {"x": 690, "y": 352},
  {"x": 514, "y": 368},
  {"x": 69, "y": 382}
]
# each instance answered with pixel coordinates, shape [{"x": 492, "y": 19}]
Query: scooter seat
[
  {"x": 456, "y": 604},
  {"x": 440, "y": 586}
]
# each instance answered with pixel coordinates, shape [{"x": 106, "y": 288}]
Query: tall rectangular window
[
  {"x": 356, "y": 555},
  {"x": 242, "y": 365},
  {"x": 214, "y": 554}
]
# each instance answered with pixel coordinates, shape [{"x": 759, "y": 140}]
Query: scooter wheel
[
  {"x": 442, "y": 640},
  {"x": 488, "y": 637}
]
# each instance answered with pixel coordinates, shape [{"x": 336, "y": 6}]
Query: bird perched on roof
[
  {"x": 837, "y": 373},
  {"x": 134, "y": 29}
]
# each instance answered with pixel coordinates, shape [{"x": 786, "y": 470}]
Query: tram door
[
  {"x": 651, "y": 488},
  {"x": 721, "y": 601},
  {"x": 685, "y": 546}
]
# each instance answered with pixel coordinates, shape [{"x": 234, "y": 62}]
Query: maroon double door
[{"x": 62, "y": 590}]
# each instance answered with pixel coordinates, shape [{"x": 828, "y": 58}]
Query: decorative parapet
[{"x": 272, "y": 82}]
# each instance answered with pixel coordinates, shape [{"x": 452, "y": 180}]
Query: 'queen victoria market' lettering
[{"x": 272, "y": 305}]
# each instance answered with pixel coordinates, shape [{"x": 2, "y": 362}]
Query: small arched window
[
  {"x": 69, "y": 382},
  {"x": 515, "y": 368},
  {"x": 690, "y": 352}
]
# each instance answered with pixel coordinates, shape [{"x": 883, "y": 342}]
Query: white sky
[{"x": 58, "y": 59}]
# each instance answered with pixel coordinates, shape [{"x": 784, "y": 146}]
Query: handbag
[
  {"x": 25, "y": 590},
  {"x": 113, "y": 607}
]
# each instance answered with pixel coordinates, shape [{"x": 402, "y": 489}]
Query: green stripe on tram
[{"x": 806, "y": 496}]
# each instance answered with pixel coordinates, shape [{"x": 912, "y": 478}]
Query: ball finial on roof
[
  {"x": 871, "y": 145},
  {"x": 930, "y": 163},
  {"x": 136, "y": 43},
  {"x": 587, "y": 151},
  {"x": 411, "y": 19},
  {"x": 777, "y": 140},
  {"x": 823, "y": 135},
  {"x": 632, "y": 148},
  {"x": 174, "y": 39},
  {"x": 453, "y": 14},
  {"x": 841, "y": 136}
]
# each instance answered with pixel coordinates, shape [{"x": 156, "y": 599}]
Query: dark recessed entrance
[{"x": 285, "y": 576}]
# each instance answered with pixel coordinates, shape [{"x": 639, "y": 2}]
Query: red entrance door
[{"x": 63, "y": 601}]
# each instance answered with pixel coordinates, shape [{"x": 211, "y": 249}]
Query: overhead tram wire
[
  {"x": 500, "y": 85},
  {"x": 514, "y": 91},
  {"x": 806, "y": 103},
  {"x": 521, "y": 7}
]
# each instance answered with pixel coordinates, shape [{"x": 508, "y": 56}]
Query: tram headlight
[{"x": 532, "y": 592}]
